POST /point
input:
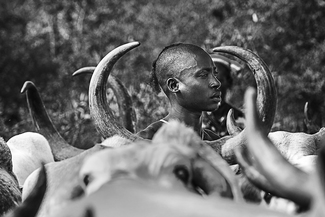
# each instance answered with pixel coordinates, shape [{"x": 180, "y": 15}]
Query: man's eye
[{"x": 203, "y": 74}]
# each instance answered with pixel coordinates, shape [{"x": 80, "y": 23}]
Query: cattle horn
[
  {"x": 292, "y": 182},
  {"x": 232, "y": 128},
  {"x": 43, "y": 124},
  {"x": 99, "y": 110},
  {"x": 126, "y": 112},
  {"x": 266, "y": 98}
]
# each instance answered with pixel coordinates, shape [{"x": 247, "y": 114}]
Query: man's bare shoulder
[{"x": 150, "y": 131}]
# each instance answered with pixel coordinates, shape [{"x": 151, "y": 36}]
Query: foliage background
[{"x": 46, "y": 41}]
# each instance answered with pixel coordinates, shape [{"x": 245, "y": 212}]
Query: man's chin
[{"x": 215, "y": 107}]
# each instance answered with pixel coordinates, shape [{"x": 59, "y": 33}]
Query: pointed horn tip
[
  {"x": 136, "y": 43},
  {"x": 306, "y": 111},
  {"x": 84, "y": 70},
  {"x": 222, "y": 48},
  {"x": 26, "y": 86},
  {"x": 231, "y": 49},
  {"x": 230, "y": 113}
]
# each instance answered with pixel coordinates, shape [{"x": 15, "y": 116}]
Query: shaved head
[{"x": 172, "y": 61}]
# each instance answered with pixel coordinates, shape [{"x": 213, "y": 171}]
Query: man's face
[
  {"x": 199, "y": 86},
  {"x": 223, "y": 73}
]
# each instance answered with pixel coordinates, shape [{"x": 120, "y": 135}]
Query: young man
[{"x": 186, "y": 74}]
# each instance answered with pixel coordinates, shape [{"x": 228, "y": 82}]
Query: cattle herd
[{"x": 251, "y": 172}]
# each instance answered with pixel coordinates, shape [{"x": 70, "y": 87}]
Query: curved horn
[
  {"x": 60, "y": 148},
  {"x": 32, "y": 203},
  {"x": 266, "y": 92},
  {"x": 294, "y": 184},
  {"x": 124, "y": 101},
  {"x": 306, "y": 112},
  {"x": 232, "y": 128},
  {"x": 84, "y": 70},
  {"x": 266, "y": 99},
  {"x": 254, "y": 175},
  {"x": 105, "y": 121}
]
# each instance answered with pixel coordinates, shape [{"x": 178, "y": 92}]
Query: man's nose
[{"x": 214, "y": 82}]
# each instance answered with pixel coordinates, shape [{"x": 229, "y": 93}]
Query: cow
[
  {"x": 28, "y": 151},
  {"x": 173, "y": 150},
  {"x": 133, "y": 197},
  {"x": 175, "y": 154},
  {"x": 298, "y": 148}
]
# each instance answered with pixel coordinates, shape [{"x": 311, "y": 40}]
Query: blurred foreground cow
[{"x": 173, "y": 160}]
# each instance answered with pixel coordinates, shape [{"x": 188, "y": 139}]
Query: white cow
[{"x": 29, "y": 150}]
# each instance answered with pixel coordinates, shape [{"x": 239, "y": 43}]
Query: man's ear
[{"x": 173, "y": 85}]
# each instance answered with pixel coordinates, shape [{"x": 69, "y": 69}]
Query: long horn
[
  {"x": 105, "y": 121},
  {"x": 266, "y": 92},
  {"x": 32, "y": 203},
  {"x": 253, "y": 175},
  {"x": 124, "y": 101},
  {"x": 266, "y": 99},
  {"x": 306, "y": 112},
  {"x": 84, "y": 70},
  {"x": 283, "y": 176},
  {"x": 60, "y": 148},
  {"x": 232, "y": 128}
]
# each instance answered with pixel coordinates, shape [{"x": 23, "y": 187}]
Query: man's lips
[{"x": 216, "y": 95}]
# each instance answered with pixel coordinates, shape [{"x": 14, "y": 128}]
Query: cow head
[{"x": 171, "y": 160}]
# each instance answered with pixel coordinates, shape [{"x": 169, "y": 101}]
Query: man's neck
[{"x": 189, "y": 118}]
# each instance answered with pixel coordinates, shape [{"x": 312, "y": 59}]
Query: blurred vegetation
[{"x": 46, "y": 41}]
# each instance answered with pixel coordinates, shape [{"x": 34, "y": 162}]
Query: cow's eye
[
  {"x": 182, "y": 173},
  {"x": 87, "y": 179}
]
